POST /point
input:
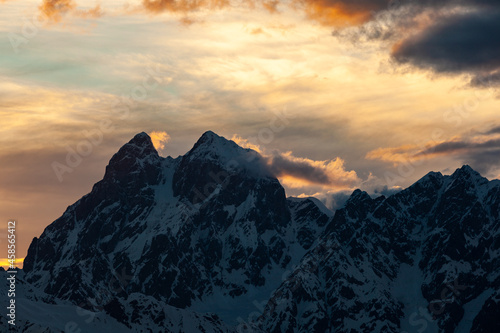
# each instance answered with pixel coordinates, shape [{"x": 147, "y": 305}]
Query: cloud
[
  {"x": 486, "y": 80},
  {"x": 256, "y": 31},
  {"x": 494, "y": 130},
  {"x": 458, "y": 43},
  {"x": 95, "y": 12},
  {"x": 56, "y": 9},
  {"x": 183, "y": 6},
  {"x": 328, "y": 173},
  {"x": 333, "y": 200},
  {"x": 336, "y": 199},
  {"x": 481, "y": 150},
  {"x": 394, "y": 155},
  {"x": 271, "y": 5},
  {"x": 342, "y": 12},
  {"x": 299, "y": 172},
  {"x": 245, "y": 143},
  {"x": 443, "y": 36},
  {"x": 160, "y": 139}
]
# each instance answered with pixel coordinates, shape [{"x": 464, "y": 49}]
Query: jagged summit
[
  {"x": 139, "y": 147},
  {"x": 209, "y": 136},
  {"x": 138, "y": 157},
  {"x": 141, "y": 142},
  {"x": 211, "y": 143},
  {"x": 226, "y": 154},
  {"x": 467, "y": 173}
]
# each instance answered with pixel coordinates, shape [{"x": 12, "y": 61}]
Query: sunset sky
[{"x": 337, "y": 95}]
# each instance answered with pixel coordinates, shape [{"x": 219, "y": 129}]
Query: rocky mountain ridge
[{"x": 208, "y": 242}]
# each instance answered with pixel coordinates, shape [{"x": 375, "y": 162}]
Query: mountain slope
[
  {"x": 411, "y": 261},
  {"x": 212, "y": 225}
]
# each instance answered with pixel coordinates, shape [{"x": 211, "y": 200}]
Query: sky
[{"x": 335, "y": 94}]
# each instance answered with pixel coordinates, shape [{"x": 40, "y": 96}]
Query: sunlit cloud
[
  {"x": 245, "y": 143},
  {"x": 159, "y": 6},
  {"x": 56, "y": 9},
  {"x": 299, "y": 172},
  {"x": 328, "y": 173},
  {"x": 160, "y": 139},
  {"x": 394, "y": 155},
  {"x": 480, "y": 149},
  {"x": 342, "y": 13}
]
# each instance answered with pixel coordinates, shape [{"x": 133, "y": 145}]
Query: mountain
[
  {"x": 208, "y": 242},
  {"x": 208, "y": 231},
  {"x": 427, "y": 258}
]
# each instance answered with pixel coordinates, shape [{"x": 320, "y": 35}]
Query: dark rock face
[
  {"x": 92, "y": 227},
  {"x": 443, "y": 229},
  {"x": 212, "y": 222}
]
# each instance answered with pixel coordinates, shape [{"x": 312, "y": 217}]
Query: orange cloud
[
  {"x": 299, "y": 172},
  {"x": 182, "y": 6},
  {"x": 56, "y": 9},
  {"x": 328, "y": 12},
  {"x": 479, "y": 147},
  {"x": 340, "y": 12},
  {"x": 395, "y": 155},
  {"x": 160, "y": 139},
  {"x": 245, "y": 143},
  {"x": 91, "y": 13},
  {"x": 256, "y": 31},
  {"x": 412, "y": 153},
  {"x": 271, "y": 5}
]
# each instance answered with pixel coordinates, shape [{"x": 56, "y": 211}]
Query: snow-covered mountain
[
  {"x": 209, "y": 231},
  {"x": 208, "y": 242},
  {"x": 424, "y": 260}
]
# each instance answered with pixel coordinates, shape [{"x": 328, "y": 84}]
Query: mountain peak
[
  {"x": 467, "y": 173},
  {"x": 213, "y": 147},
  {"x": 142, "y": 140},
  {"x": 359, "y": 195},
  {"x": 210, "y": 139},
  {"x": 431, "y": 179},
  {"x": 132, "y": 156},
  {"x": 209, "y": 135}
]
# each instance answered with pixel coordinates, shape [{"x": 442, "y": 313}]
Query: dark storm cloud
[
  {"x": 281, "y": 165},
  {"x": 444, "y": 36},
  {"x": 460, "y": 43},
  {"x": 486, "y": 80},
  {"x": 494, "y": 130},
  {"x": 483, "y": 156},
  {"x": 454, "y": 146},
  {"x": 330, "y": 173},
  {"x": 445, "y": 147}
]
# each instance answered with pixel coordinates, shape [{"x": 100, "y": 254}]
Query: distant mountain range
[{"x": 208, "y": 242}]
